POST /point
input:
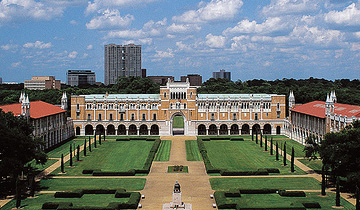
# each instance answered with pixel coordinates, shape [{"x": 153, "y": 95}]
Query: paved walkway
[{"x": 195, "y": 185}]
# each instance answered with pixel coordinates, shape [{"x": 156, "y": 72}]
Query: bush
[
  {"x": 222, "y": 202},
  {"x": 150, "y": 139},
  {"x": 90, "y": 171},
  {"x": 74, "y": 194},
  {"x": 258, "y": 191},
  {"x": 85, "y": 208},
  {"x": 131, "y": 172},
  {"x": 312, "y": 205},
  {"x": 272, "y": 170},
  {"x": 121, "y": 193},
  {"x": 236, "y": 139},
  {"x": 243, "y": 173},
  {"x": 206, "y": 139},
  {"x": 55, "y": 205},
  {"x": 219, "y": 138},
  {"x": 232, "y": 193},
  {"x": 270, "y": 208},
  {"x": 98, "y": 191},
  {"x": 292, "y": 193},
  {"x": 122, "y": 139}
]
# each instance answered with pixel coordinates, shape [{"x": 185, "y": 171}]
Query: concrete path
[{"x": 195, "y": 185}]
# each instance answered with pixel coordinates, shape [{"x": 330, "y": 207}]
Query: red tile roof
[
  {"x": 38, "y": 109},
  {"x": 317, "y": 109}
]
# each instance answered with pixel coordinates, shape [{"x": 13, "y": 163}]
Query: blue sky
[{"x": 253, "y": 39}]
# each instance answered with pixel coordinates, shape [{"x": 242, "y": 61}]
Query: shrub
[
  {"x": 130, "y": 172},
  {"x": 312, "y": 205},
  {"x": 222, "y": 202},
  {"x": 89, "y": 171},
  {"x": 73, "y": 194},
  {"x": 122, "y": 139},
  {"x": 258, "y": 191},
  {"x": 98, "y": 191},
  {"x": 236, "y": 139},
  {"x": 292, "y": 193},
  {"x": 233, "y": 193},
  {"x": 219, "y": 138},
  {"x": 238, "y": 207},
  {"x": 55, "y": 205},
  {"x": 243, "y": 173},
  {"x": 272, "y": 170},
  {"x": 150, "y": 139}
]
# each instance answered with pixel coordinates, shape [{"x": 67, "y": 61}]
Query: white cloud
[
  {"x": 350, "y": 16},
  {"x": 147, "y": 41},
  {"x": 99, "y": 4},
  {"x": 15, "y": 65},
  {"x": 85, "y": 55},
  {"x": 109, "y": 19},
  {"x": 215, "y": 41},
  {"x": 73, "y": 22},
  {"x": 183, "y": 28},
  {"x": 89, "y": 47},
  {"x": 9, "y": 46},
  {"x": 269, "y": 26},
  {"x": 267, "y": 63},
  {"x": 285, "y": 7},
  {"x": 73, "y": 54},
  {"x": 318, "y": 36},
  {"x": 215, "y": 10},
  {"x": 126, "y": 34},
  {"x": 183, "y": 46},
  {"x": 355, "y": 46},
  {"x": 164, "y": 54},
  {"x": 38, "y": 44},
  {"x": 15, "y": 10}
]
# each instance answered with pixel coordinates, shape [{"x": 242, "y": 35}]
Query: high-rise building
[
  {"x": 80, "y": 77},
  {"x": 222, "y": 74},
  {"x": 194, "y": 79},
  {"x": 122, "y": 61},
  {"x": 0, "y": 80},
  {"x": 41, "y": 83}
]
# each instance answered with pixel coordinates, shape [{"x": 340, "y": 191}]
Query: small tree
[
  {"x": 323, "y": 181},
  {"x": 277, "y": 151},
  {"x": 292, "y": 160},
  {"x": 104, "y": 136},
  {"x": 357, "y": 197},
  {"x": 100, "y": 138},
  {"x": 95, "y": 142},
  {"x": 78, "y": 153},
  {"x": 284, "y": 156},
  {"x": 256, "y": 137},
  {"x": 337, "y": 199},
  {"x": 85, "y": 147},
  {"x": 252, "y": 136},
  {"x": 261, "y": 142},
  {"x": 271, "y": 146},
  {"x": 266, "y": 142},
  {"x": 89, "y": 144},
  {"x": 62, "y": 164},
  {"x": 71, "y": 162}
]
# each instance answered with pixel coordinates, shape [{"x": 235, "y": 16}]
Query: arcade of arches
[
  {"x": 235, "y": 129},
  {"x": 121, "y": 130}
]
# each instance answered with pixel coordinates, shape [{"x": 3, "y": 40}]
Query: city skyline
[{"x": 251, "y": 39}]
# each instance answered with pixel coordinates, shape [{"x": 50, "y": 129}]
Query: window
[
  {"x": 99, "y": 117},
  {"x": 278, "y": 106},
  {"x": 267, "y": 114},
  {"x": 184, "y": 106},
  {"x": 154, "y": 117},
  {"x": 132, "y": 116},
  {"x": 77, "y": 115},
  {"x": 121, "y": 117},
  {"x": 143, "y": 116},
  {"x": 164, "y": 94},
  {"x": 110, "y": 116},
  {"x": 77, "y": 106},
  {"x": 234, "y": 116},
  {"x": 190, "y": 94},
  {"x": 88, "y": 116},
  {"x": 170, "y": 105},
  {"x": 278, "y": 115},
  {"x": 256, "y": 116},
  {"x": 212, "y": 116}
]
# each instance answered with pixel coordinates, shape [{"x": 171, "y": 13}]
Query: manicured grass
[
  {"x": 288, "y": 183},
  {"x": 65, "y": 148},
  {"x": 112, "y": 156},
  {"x": 97, "y": 200},
  {"x": 299, "y": 148},
  {"x": 243, "y": 156},
  {"x": 172, "y": 169},
  {"x": 192, "y": 151},
  {"x": 313, "y": 164},
  {"x": 130, "y": 184},
  {"x": 163, "y": 153},
  {"x": 39, "y": 167},
  {"x": 178, "y": 122},
  {"x": 127, "y": 137}
]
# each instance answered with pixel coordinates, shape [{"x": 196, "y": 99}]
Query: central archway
[{"x": 178, "y": 124}]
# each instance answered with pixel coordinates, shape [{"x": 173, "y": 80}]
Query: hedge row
[
  {"x": 258, "y": 191},
  {"x": 139, "y": 138},
  {"x": 222, "y": 202},
  {"x": 203, "y": 152},
  {"x": 270, "y": 208},
  {"x": 236, "y": 139},
  {"x": 292, "y": 193},
  {"x": 244, "y": 173},
  {"x": 132, "y": 203},
  {"x": 131, "y": 172},
  {"x": 312, "y": 205}
]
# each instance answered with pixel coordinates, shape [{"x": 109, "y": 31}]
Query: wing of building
[
  {"x": 153, "y": 114},
  {"x": 50, "y": 122}
]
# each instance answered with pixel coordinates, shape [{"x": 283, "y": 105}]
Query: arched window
[
  {"x": 184, "y": 105},
  {"x": 190, "y": 94},
  {"x": 164, "y": 94}
]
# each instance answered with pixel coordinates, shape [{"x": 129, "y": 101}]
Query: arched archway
[
  {"x": 213, "y": 130},
  {"x": 223, "y": 130},
  {"x": 267, "y": 129},
  {"x": 256, "y": 129},
  {"x": 143, "y": 130},
  {"x": 110, "y": 130},
  {"x": 278, "y": 130},
  {"x": 245, "y": 129},
  {"x": 201, "y": 130},
  {"x": 132, "y": 130},
  {"x": 234, "y": 129},
  {"x": 77, "y": 131},
  {"x": 100, "y": 130},
  {"x": 121, "y": 130},
  {"x": 154, "y": 130},
  {"x": 89, "y": 130},
  {"x": 178, "y": 124}
]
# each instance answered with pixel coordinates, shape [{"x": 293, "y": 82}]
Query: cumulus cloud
[
  {"x": 272, "y": 24},
  {"x": 286, "y": 7},
  {"x": 38, "y": 44},
  {"x": 95, "y": 5},
  {"x": 183, "y": 28},
  {"x": 216, "y": 10},
  {"x": 164, "y": 54},
  {"x": 16, "y": 10},
  {"x": 109, "y": 19},
  {"x": 126, "y": 34},
  {"x": 215, "y": 41},
  {"x": 73, "y": 54},
  {"x": 315, "y": 35},
  {"x": 73, "y": 22},
  {"x": 89, "y": 47},
  {"x": 9, "y": 46},
  {"x": 15, "y": 65},
  {"x": 350, "y": 16},
  {"x": 183, "y": 46}
]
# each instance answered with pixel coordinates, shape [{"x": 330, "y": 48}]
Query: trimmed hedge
[
  {"x": 122, "y": 139},
  {"x": 236, "y": 139},
  {"x": 73, "y": 194},
  {"x": 292, "y": 193},
  {"x": 222, "y": 202},
  {"x": 272, "y": 170},
  {"x": 55, "y": 205},
  {"x": 130, "y": 172},
  {"x": 203, "y": 152},
  {"x": 312, "y": 205},
  {"x": 270, "y": 208},
  {"x": 219, "y": 138},
  {"x": 258, "y": 191},
  {"x": 243, "y": 173},
  {"x": 233, "y": 193},
  {"x": 89, "y": 171}
]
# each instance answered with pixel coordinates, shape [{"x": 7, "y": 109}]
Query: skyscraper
[
  {"x": 222, "y": 74},
  {"x": 122, "y": 61}
]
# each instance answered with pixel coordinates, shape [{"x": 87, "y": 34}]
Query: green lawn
[
  {"x": 192, "y": 151},
  {"x": 243, "y": 156},
  {"x": 313, "y": 164},
  {"x": 163, "y": 153},
  {"x": 178, "y": 122},
  {"x": 65, "y": 148},
  {"x": 39, "y": 167},
  {"x": 288, "y": 183},
  {"x": 112, "y": 156},
  {"x": 130, "y": 184}
]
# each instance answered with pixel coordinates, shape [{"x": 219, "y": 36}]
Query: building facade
[
  {"x": 222, "y": 74},
  {"x": 80, "y": 77},
  {"x": 162, "y": 80},
  {"x": 122, "y": 61},
  {"x": 50, "y": 122},
  {"x": 194, "y": 79},
  {"x": 41, "y": 83},
  {"x": 318, "y": 117},
  {"x": 153, "y": 114}
]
